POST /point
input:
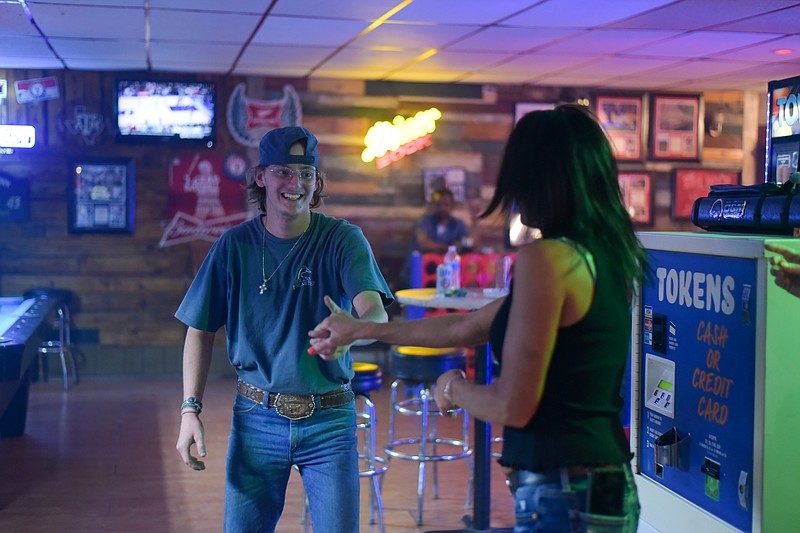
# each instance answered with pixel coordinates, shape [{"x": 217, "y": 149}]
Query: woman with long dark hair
[{"x": 561, "y": 335}]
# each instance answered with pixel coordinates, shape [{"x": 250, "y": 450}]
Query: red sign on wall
[{"x": 203, "y": 200}]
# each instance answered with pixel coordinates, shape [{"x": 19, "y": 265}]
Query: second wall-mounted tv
[
  {"x": 152, "y": 110},
  {"x": 783, "y": 129}
]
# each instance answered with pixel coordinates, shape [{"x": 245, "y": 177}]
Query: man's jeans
[
  {"x": 543, "y": 504},
  {"x": 262, "y": 449}
]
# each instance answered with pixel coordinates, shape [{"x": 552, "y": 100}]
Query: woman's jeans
[
  {"x": 262, "y": 449},
  {"x": 556, "y": 502}
]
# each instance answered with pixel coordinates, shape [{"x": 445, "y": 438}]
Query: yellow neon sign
[{"x": 400, "y": 137}]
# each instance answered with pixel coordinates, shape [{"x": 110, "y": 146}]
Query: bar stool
[
  {"x": 417, "y": 368},
  {"x": 368, "y": 377},
  {"x": 60, "y": 341}
]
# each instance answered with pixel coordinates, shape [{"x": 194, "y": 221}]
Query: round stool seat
[
  {"x": 64, "y": 296},
  {"x": 368, "y": 377},
  {"x": 425, "y": 365}
]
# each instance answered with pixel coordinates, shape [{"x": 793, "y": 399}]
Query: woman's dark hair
[
  {"x": 559, "y": 171},
  {"x": 258, "y": 195}
]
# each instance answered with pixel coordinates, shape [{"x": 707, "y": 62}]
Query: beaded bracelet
[{"x": 192, "y": 403}]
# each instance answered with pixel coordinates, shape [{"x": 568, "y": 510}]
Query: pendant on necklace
[{"x": 263, "y": 288}]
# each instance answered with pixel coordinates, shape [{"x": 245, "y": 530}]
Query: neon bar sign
[{"x": 387, "y": 142}]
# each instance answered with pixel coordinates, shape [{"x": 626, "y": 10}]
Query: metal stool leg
[
  {"x": 66, "y": 344},
  {"x": 374, "y": 469},
  {"x": 434, "y": 436},
  {"x": 424, "y": 396}
]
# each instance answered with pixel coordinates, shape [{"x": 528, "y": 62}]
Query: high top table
[{"x": 474, "y": 299}]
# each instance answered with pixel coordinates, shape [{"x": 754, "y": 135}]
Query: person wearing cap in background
[
  {"x": 438, "y": 228},
  {"x": 264, "y": 281}
]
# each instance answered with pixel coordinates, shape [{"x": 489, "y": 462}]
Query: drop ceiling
[{"x": 695, "y": 45}]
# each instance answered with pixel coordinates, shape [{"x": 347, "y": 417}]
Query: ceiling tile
[
  {"x": 279, "y": 59},
  {"x": 102, "y": 49},
  {"x": 783, "y": 21},
  {"x": 454, "y": 12},
  {"x": 20, "y": 47},
  {"x": 700, "y": 44},
  {"x": 510, "y": 39},
  {"x": 602, "y": 42},
  {"x": 704, "y": 68},
  {"x": 369, "y": 58},
  {"x": 696, "y": 14},
  {"x": 93, "y": 3},
  {"x": 307, "y": 31},
  {"x": 97, "y": 22},
  {"x": 111, "y": 64},
  {"x": 162, "y": 52},
  {"x": 766, "y": 51},
  {"x": 14, "y": 21},
  {"x": 237, "y": 6},
  {"x": 364, "y": 10},
  {"x": 580, "y": 14},
  {"x": 414, "y": 36},
  {"x": 201, "y": 26}
]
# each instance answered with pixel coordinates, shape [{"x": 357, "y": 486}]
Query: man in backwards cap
[{"x": 264, "y": 280}]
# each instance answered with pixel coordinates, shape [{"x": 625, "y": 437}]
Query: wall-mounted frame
[
  {"x": 675, "y": 127},
  {"x": 102, "y": 196},
  {"x": 689, "y": 184},
  {"x": 637, "y": 193},
  {"x": 621, "y": 117},
  {"x": 453, "y": 178},
  {"x": 523, "y": 108}
]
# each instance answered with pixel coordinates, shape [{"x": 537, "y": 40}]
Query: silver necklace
[{"x": 265, "y": 280}]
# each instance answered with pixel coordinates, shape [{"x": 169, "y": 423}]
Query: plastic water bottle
[{"x": 452, "y": 259}]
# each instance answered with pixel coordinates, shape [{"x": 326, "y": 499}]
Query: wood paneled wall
[{"x": 127, "y": 287}]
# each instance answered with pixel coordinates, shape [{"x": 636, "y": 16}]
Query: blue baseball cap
[{"x": 275, "y": 145}]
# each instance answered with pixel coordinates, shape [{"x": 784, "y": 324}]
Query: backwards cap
[{"x": 275, "y": 145}]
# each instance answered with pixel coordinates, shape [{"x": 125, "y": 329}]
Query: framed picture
[
  {"x": 102, "y": 196},
  {"x": 675, "y": 128},
  {"x": 689, "y": 184},
  {"x": 637, "y": 193},
  {"x": 523, "y": 108},
  {"x": 453, "y": 178},
  {"x": 621, "y": 117}
]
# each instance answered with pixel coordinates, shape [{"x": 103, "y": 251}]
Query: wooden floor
[{"x": 101, "y": 458}]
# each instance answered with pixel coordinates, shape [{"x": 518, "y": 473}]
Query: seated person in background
[{"x": 438, "y": 229}]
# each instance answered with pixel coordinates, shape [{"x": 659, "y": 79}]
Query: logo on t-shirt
[{"x": 303, "y": 278}]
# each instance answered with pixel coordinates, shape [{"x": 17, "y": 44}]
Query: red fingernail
[{"x": 312, "y": 351}]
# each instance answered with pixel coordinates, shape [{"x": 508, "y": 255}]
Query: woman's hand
[{"x": 444, "y": 389}]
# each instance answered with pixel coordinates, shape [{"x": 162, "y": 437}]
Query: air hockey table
[{"x": 21, "y": 322}]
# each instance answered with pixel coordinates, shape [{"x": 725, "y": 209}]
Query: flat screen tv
[
  {"x": 151, "y": 110},
  {"x": 783, "y": 129}
]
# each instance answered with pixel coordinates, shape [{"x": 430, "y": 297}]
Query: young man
[{"x": 264, "y": 281}]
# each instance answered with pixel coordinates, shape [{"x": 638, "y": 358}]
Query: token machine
[{"x": 715, "y": 367}]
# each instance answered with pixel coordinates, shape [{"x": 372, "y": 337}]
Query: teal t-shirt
[{"x": 267, "y": 334}]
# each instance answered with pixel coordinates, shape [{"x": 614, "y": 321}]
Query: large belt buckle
[{"x": 294, "y": 406}]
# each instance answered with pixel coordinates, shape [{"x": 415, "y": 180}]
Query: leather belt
[
  {"x": 564, "y": 475},
  {"x": 295, "y": 406}
]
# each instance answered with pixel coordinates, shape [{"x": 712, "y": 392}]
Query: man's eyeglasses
[{"x": 306, "y": 175}]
